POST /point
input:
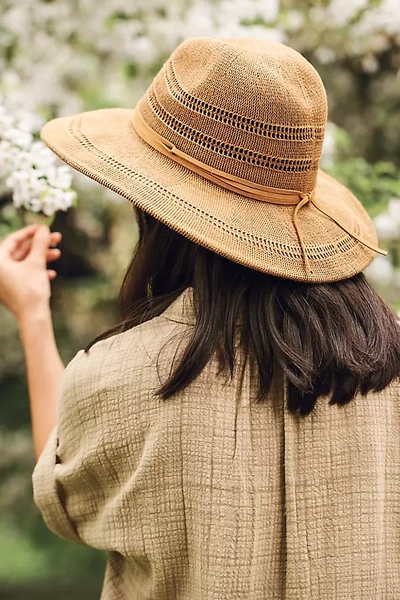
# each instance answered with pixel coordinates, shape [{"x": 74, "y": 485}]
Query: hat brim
[{"x": 103, "y": 145}]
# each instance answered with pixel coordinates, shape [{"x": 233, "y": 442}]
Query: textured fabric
[
  {"x": 252, "y": 109},
  {"x": 209, "y": 496}
]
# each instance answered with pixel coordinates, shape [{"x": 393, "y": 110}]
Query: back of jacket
[{"x": 210, "y": 496}]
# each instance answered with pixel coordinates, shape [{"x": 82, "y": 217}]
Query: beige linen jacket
[{"x": 209, "y": 496}]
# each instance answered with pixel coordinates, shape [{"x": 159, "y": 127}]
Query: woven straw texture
[
  {"x": 253, "y": 109},
  {"x": 210, "y": 496}
]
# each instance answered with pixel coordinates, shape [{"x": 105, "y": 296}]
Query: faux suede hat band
[
  {"x": 224, "y": 148},
  {"x": 251, "y": 190}
]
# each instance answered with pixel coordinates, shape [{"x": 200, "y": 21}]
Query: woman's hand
[
  {"x": 25, "y": 291},
  {"x": 24, "y": 277}
]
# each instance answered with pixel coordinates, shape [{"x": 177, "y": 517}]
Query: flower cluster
[
  {"x": 115, "y": 38},
  {"x": 28, "y": 169},
  {"x": 112, "y": 41},
  {"x": 387, "y": 224},
  {"x": 354, "y": 29}
]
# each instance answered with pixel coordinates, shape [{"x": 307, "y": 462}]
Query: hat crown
[{"x": 250, "y": 108}]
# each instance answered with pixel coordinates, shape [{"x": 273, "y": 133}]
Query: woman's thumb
[{"x": 40, "y": 244}]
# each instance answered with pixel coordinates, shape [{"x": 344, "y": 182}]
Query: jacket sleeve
[
  {"x": 50, "y": 471},
  {"x": 79, "y": 477},
  {"x": 47, "y": 493}
]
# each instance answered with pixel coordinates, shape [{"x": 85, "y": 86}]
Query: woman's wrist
[
  {"x": 33, "y": 318},
  {"x": 44, "y": 369}
]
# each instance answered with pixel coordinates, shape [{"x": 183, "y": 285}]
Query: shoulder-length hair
[{"x": 329, "y": 339}]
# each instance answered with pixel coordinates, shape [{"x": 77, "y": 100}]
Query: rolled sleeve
[
  {"x": 81, "y": 479},
  {"x": 78, "y": 477},
  {"x": 47, "y": 495},
  {"x": 48, "y": 477}
]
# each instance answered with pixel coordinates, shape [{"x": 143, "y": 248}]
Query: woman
[{"x": 237, "y": 434}]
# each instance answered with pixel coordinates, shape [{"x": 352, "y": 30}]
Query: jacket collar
[{"x": 182, "y": 309}]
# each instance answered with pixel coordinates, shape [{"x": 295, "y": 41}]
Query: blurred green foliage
[{"x": 374, "y": 184}]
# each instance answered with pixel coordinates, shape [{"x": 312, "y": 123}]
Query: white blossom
[
  {"x": 340, "y": 12},
  {"x": 324, "y": 55},
  {"x": 21, "y": 139},
  {"x": 386, "y": 227},
  {"x": 28, "y": 168},
  {"x": 387, "y": 224},
  {"x": 370, "y": 63},
  {"x": 380, "y": 271},
  {"x": 6, "y": 120},
  {"x": 294, "y": 20}
]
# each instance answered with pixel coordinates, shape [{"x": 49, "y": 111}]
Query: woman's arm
[
  {"x": 25, "y": 291},
  {"x": 44, "y": 369}
]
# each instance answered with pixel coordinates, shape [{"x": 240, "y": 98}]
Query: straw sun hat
[{"x": 224, "y": 148}]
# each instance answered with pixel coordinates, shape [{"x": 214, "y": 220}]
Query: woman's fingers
[
  {"x": 55, "y": 238},
  {"x": 13, "y": 241},
  {"x": 51, "y": 274},
  {"x": 53, "y": 254},
  {"x": 24, "y": 233},
  {"x": 22, "y": 249}
]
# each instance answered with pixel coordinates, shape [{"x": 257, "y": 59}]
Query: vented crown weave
[{"x": 255, "y": 111}]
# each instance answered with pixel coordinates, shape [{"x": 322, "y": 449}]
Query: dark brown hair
[{"x": 330, "y": 339}]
